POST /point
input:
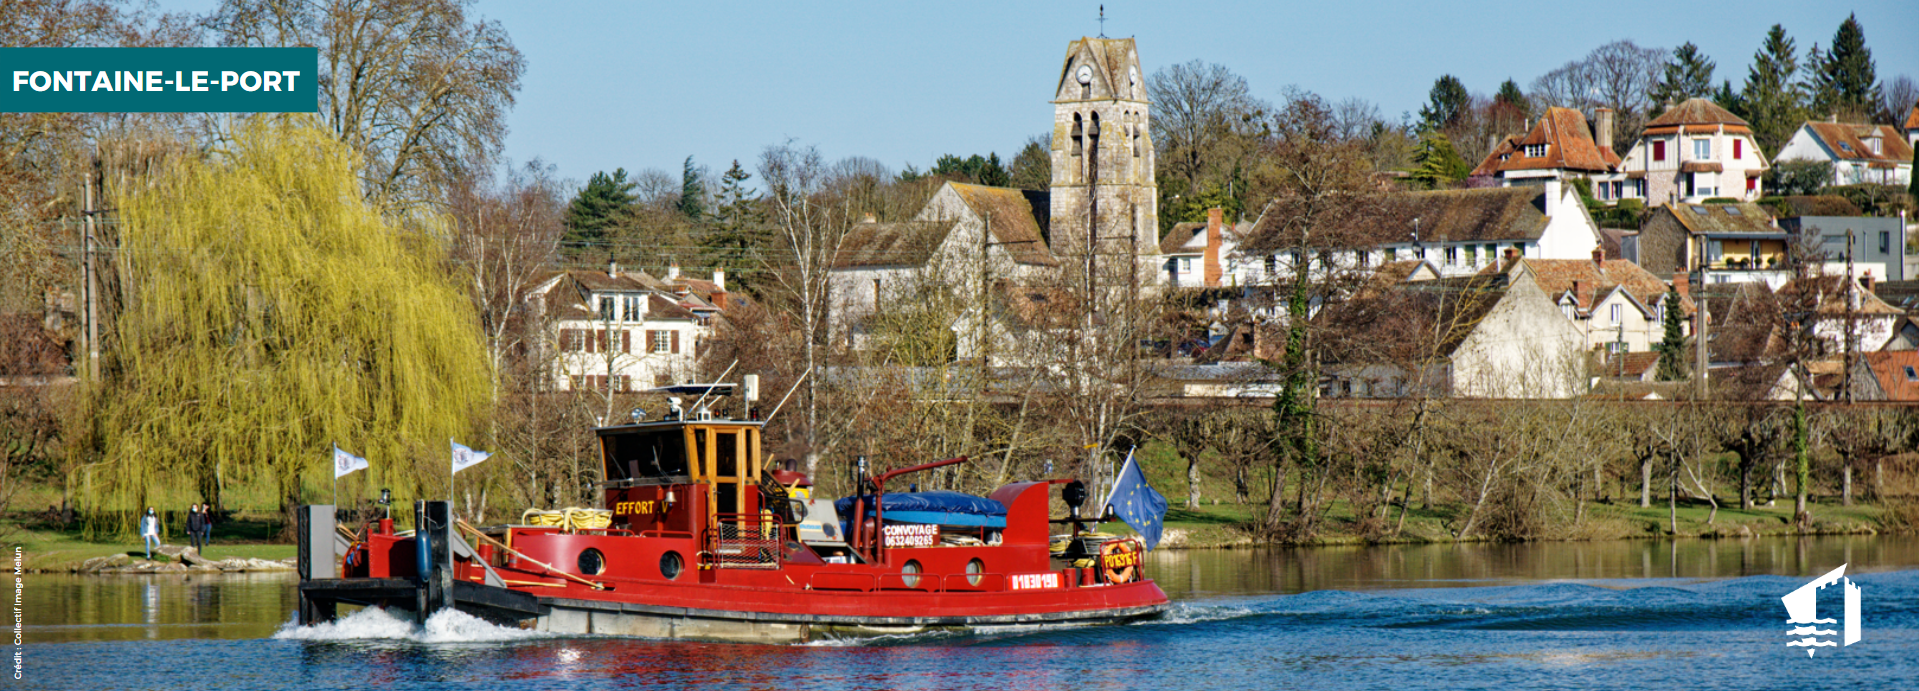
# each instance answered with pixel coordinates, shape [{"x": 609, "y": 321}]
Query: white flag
[
  {"x": 464, "y": 457},
  {"x": 344, "y": 463}
]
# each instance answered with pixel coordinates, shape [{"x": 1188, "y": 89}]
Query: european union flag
[{"x": 1136, "y": 503}]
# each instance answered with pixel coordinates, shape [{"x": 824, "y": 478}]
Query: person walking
[
  {"x": 150, "y": 531},
  {"x": 194, "y": 522}
]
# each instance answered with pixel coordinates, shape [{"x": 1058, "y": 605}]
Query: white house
[
  {"x": 1195, "y": 253},
  {"x": 618, "y": 331},
  {"x": 1858, "y": 153},
  {"x": 1460, "y": 232},
  {"x": 1693, "y": 152}
]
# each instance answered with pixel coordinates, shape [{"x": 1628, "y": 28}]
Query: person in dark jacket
[{"x": 194, "y": 522}]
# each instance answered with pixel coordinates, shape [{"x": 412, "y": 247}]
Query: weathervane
[{"x": 1102, "y": 21}]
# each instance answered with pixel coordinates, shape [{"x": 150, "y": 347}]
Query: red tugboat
[{"x": 699, "y": 539}]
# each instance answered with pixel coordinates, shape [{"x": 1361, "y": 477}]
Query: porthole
[
  {"x": 974, "y": 570},
  {"x": 910, "y": 574},
  {"x": 671, "y": 565},
  {"x": 592, "y": 562}
]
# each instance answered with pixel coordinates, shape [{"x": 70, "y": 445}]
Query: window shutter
[
  {"x": 1738, "y": 147},
  {"x": 650, "y": 339},
  {"x": 626, "y": 341},
  {"x": 1659, "y": 151},
  {"x": 566, "y": 340},
  {"x": 586, "y": 340},
  {"x": 676, "y": 341}
]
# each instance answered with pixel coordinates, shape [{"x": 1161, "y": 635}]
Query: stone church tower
[{"x": 1102, "y": 153}]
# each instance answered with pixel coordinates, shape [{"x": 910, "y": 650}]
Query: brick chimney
[
  {"x": 673, "y": 271},
  {"x": 1602, "y": 130},
  {"x": 1599, "y": 258},
  {"x": 1579, "y": 294},
  {"x": 1681, "y": 284},
  {"x": 1215, "y": 225},
  {"x": 1865, "y": 281},
  {"x": 1512, "y": 256},
  {"x": 719, "y": 282}
]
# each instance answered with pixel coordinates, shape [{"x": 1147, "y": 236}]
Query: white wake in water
[{"x": 375, "y": 624}]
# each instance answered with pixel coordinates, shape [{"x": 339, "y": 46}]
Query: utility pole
[
  {"x": 92, "y": 313},
  {"x": 1852, "y": 298},
  {"x": 1701, "y": 318}
]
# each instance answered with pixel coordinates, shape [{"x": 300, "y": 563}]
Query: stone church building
[{"x": 978, "y": 242}]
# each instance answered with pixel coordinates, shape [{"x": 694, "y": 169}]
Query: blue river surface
[{"x": 1478, "y": 630}]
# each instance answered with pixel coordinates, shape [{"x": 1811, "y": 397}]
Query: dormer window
[
  {"x": 1845, "y": 146},
  {"x": 1535, "y": 151},
  {"x": 1873, "y": 143},
  {"x": 1503, "y": 157},
  {"x": 606, "y": 309},
  {"x": 631, "y": 309}
]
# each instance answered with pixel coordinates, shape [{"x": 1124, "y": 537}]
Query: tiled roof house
[
  {"x": 1692, "y": 152},
  {"x": 1858, "y": 153}
]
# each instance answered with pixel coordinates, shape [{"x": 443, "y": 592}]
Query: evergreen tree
[
  {"x": 1688, "y": 75},
  {"x": 1672, "y": 348},
  {"x": 1436, "y": 162},
  {"x": 1032, "y": 168},
  {"x": 1446, "y": 103},
  {"x": 1729, "y": 99},
  {"x": 604, "y": 201},
  {"x": 692, "y": 191},
  {"x": 738, "y": 225},
  {"x": 975, "y": 169},
  {"x": 1774, "y": 101},
  {"x": 1510, "y": 95},
  {"x": 1843, "y": 80}
]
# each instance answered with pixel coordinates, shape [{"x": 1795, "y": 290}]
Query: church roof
[
  {"x": 902, "y": 243},
  {"x": 1018, "y": 219},
  {"x": 1110, "y": 58}
]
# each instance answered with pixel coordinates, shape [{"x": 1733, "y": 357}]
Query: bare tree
[
  {"x": 415, "y": 85},
  {"x": 1619, "y": 75},
  {"x": 1901, "y": 96},
  {"x": 1206, "y": 121},
  {"x": 810, "y": 226}
]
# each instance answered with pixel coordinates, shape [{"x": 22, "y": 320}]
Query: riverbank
[
  {"x": 1234, "y": 526},
  {"x": 1212, "y": 526}
]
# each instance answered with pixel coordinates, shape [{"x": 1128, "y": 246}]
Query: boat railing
[
  {"x": 869, "y": 582},
  {"x": 743, "y": 541}
]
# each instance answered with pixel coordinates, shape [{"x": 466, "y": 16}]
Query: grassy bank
[{"x": 50, "y": 547}]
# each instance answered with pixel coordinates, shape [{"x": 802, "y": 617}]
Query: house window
[
  {"x": 1272, "y": 265},
  {"x": 1845, "y": 146},
  {"x": 1472, "y": 255},
  {"x": 1885, "y": 241},
  {"x": 1452, "y": 255},
  {"x": 573, "y": 340},
  {"x": 1659, "y": 150},
  {"x": 1299, "y": 261},
  {"x": 1615, "y": 314},
  {"x": 1615, "y": 347},
  {"x": 1702, "y": 148},
  {"x": 1186, "y": 265},
  {"x": 1359, "y": 258},
  {"x": 1910, "y": 374},
  {"x": 662, "y": 341},
  {"x": 1873, "y": 144},
  {"x": 1535, "y": 151},
  {"x": 1419, "y": 252},
  {"x": 606, "y": 309},
  {"x": 632, "y": 309},
  {"x": 1492, "y": 253},
  {"x": 1738, "y": 148}
]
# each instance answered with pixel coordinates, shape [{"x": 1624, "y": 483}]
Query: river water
[{"x": 1696, "y": 614}]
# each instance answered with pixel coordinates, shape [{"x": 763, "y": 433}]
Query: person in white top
[{"x": 150, "y": 531}]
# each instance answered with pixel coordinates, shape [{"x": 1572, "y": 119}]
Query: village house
[
  {"x": 1858, "y": 153},
  {"x": 618, "y": 331},
  {"x": 1617, "y": 306},
  {"x": 1558, "y": 147},
  {"x": 1459, "y": 231},
  {"x": 1195, "y": 253},
  {"x": 1719, "y": 243},
  {"x": 1693, "y": 152},
  {"x": 1495, "y": 335}
]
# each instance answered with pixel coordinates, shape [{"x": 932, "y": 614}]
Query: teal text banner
[{"x": 158, "y": 80}]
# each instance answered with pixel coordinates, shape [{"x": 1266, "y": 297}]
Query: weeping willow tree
[{"x": 271, "y": 313}]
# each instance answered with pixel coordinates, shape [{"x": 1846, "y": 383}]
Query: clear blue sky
[{"x": 644, "y": 85}]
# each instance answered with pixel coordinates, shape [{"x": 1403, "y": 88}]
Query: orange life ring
[{"x": 1119, "y": 560}]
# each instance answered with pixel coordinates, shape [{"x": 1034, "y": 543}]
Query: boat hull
[{"x": 567, "y": 616}]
